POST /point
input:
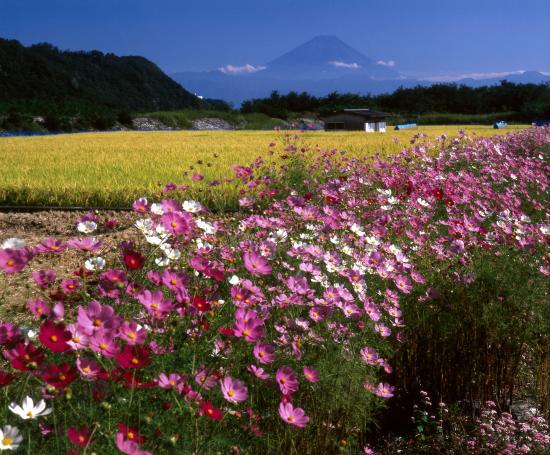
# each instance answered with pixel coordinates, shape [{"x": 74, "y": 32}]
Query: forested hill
[{"x": 41, "y": 77}]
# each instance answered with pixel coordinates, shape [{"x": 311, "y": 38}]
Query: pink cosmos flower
[
  {"x": 258, "y": 372},
  {"x": 265, "y": 353},
  {"x": 44, "y": 278},
  {"x": 205, "y": 378},
  {"x": 128, "y": 446},
  {"x": 85, "y": 244},
  {"x": 369, "y": 356},
  {"x": 403, "y": 283},
  {"x": 52, "y": 246},
  {"x": 256, "y": 264},
  {"x": 293, "y": 416},
  {"x": 104, "y": 344},
  {"x": 170, "y": 381},
  {"x": 97, "y": 318},
  {"x": 157, "y": 305},
  {"x": 39, "y": 308},
  {"x": 12, "y": 260},
  {"x": 70, "y": 285},
  {"x": 132, "y": 333},
  {"x": 384, "y": 390},
  {"x": 79, "y": 340},
  {"x": 287, "y": 380},
  {"x": 248, "y": 325},
  {"x": 141, "y": 205},
  {"x": 177, "y": 223},
  {"x": 89, "y": 369},
  {"x": 311, "y": 374},
  {"x": 233, "y": 390}
]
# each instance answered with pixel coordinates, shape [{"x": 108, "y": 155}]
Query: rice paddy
[{"x": 112, "y": 169}]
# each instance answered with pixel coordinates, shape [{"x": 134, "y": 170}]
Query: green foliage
[
  {"x": 42, "y": 78},
  {"x": 473, "y": 341},
  {"x": 520, "y": 102}
]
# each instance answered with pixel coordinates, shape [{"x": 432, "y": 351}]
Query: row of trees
[{"x": 526, "y": 100}]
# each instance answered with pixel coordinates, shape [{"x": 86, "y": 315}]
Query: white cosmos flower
[
  {"x": 384, "y": 192},
  {"x": 191, "y": 206},
  {"x": 206, "y": 227},
  {"x": 13, "y": 243},
  {"x": 173, "y": 254},
  {"x": 372, "y": 240},
  {"x": 357, "y": 230},
  {"x": 97, "y": 263},
  {"x": 153, "y": 239},
  {"x": 32, "y": 333},
  {"x": 157, "y": 209},
  {"x": 86, "y": 227},
  {"x": 144, "y": 225},
  {"x": 10, "y": 438},
  {"x": 422, "y": 202},
  {"x": 393, "y": 200},
  {"x": 234, "y": 280},
  {"x": 162, "y": 262},
  {"x": 545, "y": 230},
  {"x": 28, "y": 410}
]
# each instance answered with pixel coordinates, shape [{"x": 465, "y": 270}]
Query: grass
[{"x": 112, "y": 169}]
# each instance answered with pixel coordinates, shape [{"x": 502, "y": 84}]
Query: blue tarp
[
  {"x": 501, "y": 124},
  {"x": 405, "y": 126}
]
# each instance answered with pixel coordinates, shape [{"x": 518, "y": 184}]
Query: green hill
[{"x": 41, "y": 78}]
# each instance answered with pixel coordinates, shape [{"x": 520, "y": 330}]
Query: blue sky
[{"x": 423, "y": 37}]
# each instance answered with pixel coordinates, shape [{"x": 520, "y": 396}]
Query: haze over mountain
[{"x": 322, "y": 65}]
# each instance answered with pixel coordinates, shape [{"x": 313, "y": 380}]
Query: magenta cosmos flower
[
  {"x": 248, "y": 325},
  {"x": 287, "y": 380},
  {"x": 311, "y": 374},
  {"x": 293, "y": 416},
  {"x": 265, "y": 353},
  {"x": 256, "y": 264},
  {"x": 12, "y": 261},
  {"x": 233, "y": 390},
  {"x": 177, "y": 223}
]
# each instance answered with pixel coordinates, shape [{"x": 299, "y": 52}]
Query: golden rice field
[{"x": 112, "y": 169}]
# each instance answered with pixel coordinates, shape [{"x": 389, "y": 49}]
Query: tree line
[{"x": 522, "y": 101}]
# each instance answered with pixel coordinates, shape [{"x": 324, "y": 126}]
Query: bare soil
[{"x": 17, "y": 289}]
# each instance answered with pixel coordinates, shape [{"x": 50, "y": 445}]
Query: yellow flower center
[
  {"x": 246, "y": 332},
  {"x": 131, "y": 335},
  {"x": 154, "y": 306},
  {"x": 102, "y": 345},
  {"x": 7, "y": 441},
  {"x": 10, "y": 263},
  {"x": 53, "y": 338},
  {"x": 135, "y": 361},
  {"x": 173, "y": 224},
  {"x": 291, "y": 418},
  {"x": 230, "y": 392}
]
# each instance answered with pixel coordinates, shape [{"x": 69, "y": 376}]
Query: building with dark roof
[{"x": 357, "y": 120}]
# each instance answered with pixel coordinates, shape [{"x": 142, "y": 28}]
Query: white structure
[{"x": 375, "y": 127}]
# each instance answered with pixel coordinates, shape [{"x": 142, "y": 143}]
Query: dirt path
[{"x": 15, "y": 290}]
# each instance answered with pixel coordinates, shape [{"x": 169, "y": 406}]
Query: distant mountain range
[
  {"x": 42, "y": 78},
  {"x": 322, "y": 65}
]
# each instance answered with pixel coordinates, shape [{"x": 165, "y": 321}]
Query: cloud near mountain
[
  {"x": 245, "y": 69},
  {"x": 345, "y": 65}
]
